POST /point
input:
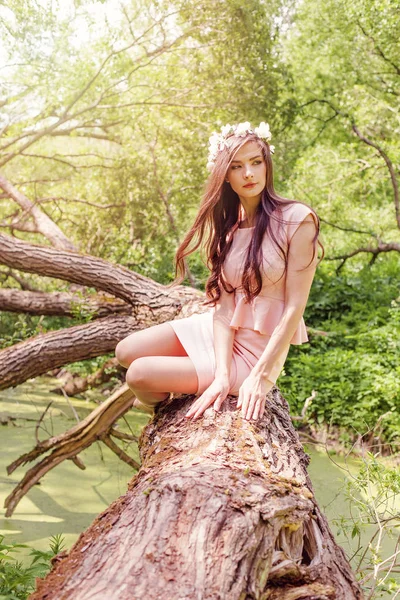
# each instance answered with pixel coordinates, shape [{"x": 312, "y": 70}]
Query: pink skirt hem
[{"x": 196, "y": 336}]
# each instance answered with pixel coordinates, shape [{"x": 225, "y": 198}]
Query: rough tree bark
[
  {"x": 61, "y": 303},
  {"x": 221, "y": 508},
  {"x": 147, "y": 303}
]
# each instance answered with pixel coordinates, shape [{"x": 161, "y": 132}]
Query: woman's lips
[{"x": 249, "y": 185}]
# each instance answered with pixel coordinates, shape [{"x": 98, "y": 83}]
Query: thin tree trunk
[
  {"x": 62, "y": 303},
  {"x": 42, "y": 223},
  {"x": 221, "y": 509}
]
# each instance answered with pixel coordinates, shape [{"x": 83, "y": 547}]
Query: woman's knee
[
  {"x": 125, "y": 351},
  {"x": 137, "y": 375},
  {"x": 120, "y": 353}
]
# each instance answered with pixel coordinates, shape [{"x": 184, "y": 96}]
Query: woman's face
[{"x": 247, "y": 172}]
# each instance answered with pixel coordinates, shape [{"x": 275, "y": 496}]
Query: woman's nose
[{"x": 248, "y": 171}]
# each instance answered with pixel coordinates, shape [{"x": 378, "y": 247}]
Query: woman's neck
[{"x": 245, "y": 224}]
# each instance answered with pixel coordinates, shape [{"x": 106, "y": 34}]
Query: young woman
[{"x": 262, "y": 253}]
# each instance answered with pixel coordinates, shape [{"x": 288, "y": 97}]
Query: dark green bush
[
  {"x": 355, "y": 368},
  {"x": 17, "y": 581}
]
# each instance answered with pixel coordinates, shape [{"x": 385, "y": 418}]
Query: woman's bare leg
[
  {"x": 156, "y": 361},
  {"x": 150, "y": 376}
]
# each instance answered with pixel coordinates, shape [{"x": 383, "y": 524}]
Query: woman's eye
[{"x": 256, "y": 162}]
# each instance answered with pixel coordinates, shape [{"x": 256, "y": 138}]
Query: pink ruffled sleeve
[{"x": 295, "y": 215}]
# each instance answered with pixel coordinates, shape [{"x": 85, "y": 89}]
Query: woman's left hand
[{"x": 252, "y": 396}]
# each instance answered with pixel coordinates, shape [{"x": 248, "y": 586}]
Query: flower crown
[{"x": 217, "y": 141}]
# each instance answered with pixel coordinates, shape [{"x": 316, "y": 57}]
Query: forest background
[
  {"x": 105, "y": 118},
  {"x": 106, "y": 111}
]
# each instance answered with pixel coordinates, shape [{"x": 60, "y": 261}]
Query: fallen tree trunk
[
  {"x": 85, "y": 270},
  {"x": 221, "y": 509},
  {"x": 140, "y": 302}
]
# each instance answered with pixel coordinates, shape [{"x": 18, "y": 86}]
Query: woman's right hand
[{"x": 215, "y": 394}]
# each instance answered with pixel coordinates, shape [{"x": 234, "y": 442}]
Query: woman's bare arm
[{"x": 299, "y": 278}]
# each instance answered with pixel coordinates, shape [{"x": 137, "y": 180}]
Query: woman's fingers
[
  {"x": 201, "y": 404},
  {"x": 205, "y": 404},
  {"x": 193, "y": 409},
  {"x": 250, "y": 408},
  {"x": 245, "y": 404},
  {"x": 214, "y": 394},
  {"x": 259, "y": 408},
  {"x": 252, "y": 404},
  {"x": 219, "y": 401},
  {"x": 241, "y": 396},
  {"x": 252, "y": 398}
]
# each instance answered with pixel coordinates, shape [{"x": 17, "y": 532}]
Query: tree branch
[
  {"x": 40, "y": 354},
  {"x": 43, "y": 223},
  {"x": 61, "y": 303},
  {"x": 378, "y": 49},
  {"x": 137, "y": 290},
  {"x": 381, "y": 248},
  {"x": 97, "y": 426},
  {"x": 389, "y": 164},
  {"x": 342, "y": 228}
]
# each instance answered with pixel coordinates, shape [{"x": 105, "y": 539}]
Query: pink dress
[{"x": 254, "y": 323}]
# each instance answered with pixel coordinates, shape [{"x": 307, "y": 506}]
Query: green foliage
[
  {"x": 127, "y": 100},
  {"x": 79, "y": 310},
  {"x": 17, "y": 582},
  {"x": 89, "y": 366},
  {"x": 343, "y": 62},
  {"x": 354, "y": 368},
  {"x": 16, "y": 328},
  {"x": 372, "y": 494}
]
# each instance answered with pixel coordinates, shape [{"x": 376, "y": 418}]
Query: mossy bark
[{"x": 221, "y": 508}]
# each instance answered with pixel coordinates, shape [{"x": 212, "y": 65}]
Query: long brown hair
[{"x": 219, "y": 215}]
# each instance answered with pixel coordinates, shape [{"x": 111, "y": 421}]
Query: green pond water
[{"x": 68, "y": 499}]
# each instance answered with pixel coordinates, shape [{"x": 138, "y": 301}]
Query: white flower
[
  {"x": 218, "y": 141},
  {"x": 226, "y": 129},
  {"x": 243, "y": 128},
  {"x": 263, "y": 131},
  {"x": 214, "y": 139}
]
